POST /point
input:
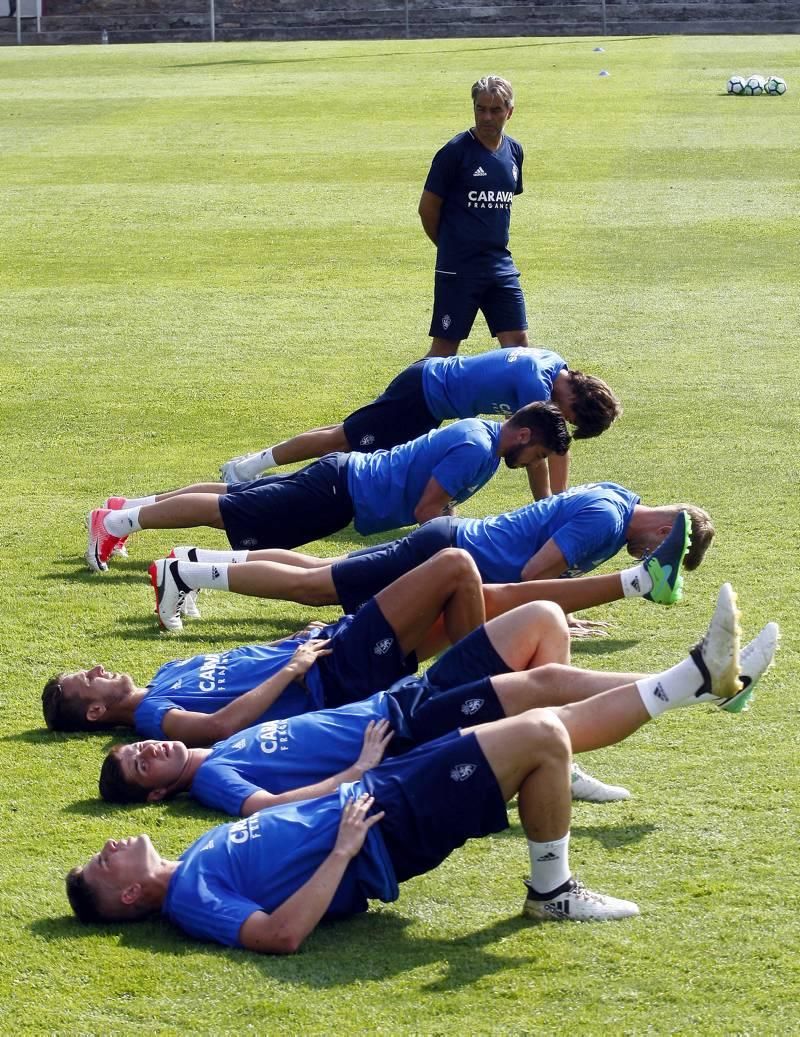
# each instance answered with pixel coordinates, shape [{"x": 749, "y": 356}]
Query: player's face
[
  {"x": 643, "y": 543},
  {"x": 524, "y": 454},
  {"x": 491, "y": 115},
  {"x": 98, "y": 685},
  {"x": 120, "y": 864},
  {"x": 152, "y": 764}
]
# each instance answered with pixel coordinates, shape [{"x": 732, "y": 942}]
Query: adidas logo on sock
[
  {"x": 480, "y": 171},
  {"x": 214, "y": 572},
  {"x": 635, "y": 583},
  {"x": 659, "y": 693},
  {"x": 550, "y": 856}
]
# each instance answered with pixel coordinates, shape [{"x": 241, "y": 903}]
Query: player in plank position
[
  {"x": 265, "y": 882},
  {"x": 384, "y": 490},
  {"x": 313, "y": 754},
  {"x": 436, "y": 389},
  {"x": 570, "y": 533}
]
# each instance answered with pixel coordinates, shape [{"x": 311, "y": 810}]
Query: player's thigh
[
  {"x": 398, "y": 415},
  {"x": 456, "y": 301}
]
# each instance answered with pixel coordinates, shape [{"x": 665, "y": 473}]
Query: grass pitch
[{"x": 205, "y": 248}]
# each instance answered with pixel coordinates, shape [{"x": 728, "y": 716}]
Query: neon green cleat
[{"x": 664, "y": 564}]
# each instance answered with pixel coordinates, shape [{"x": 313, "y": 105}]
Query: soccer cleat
[
  {"x": 717, "y": 655},
  {"x": 169, "y": 596},
  {"x": 189, "y": 609},
  {"x": 101, "y": 543},
  {"x": 229, "y": 471},
  {"x": 755, "y": 659},
  {"x": 664, "y": 564},
  {"x": 592, "y": 790},
  {"x": 575, "y": 903},
  {"x": 116, "y": 504}
]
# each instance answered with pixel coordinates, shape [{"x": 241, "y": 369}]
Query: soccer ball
[
  {"x": 775, "y": 86},
  {"x": 754, "y": 86},
  {"x": 736, "y": 85}
]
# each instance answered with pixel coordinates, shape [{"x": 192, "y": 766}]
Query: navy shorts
[
  {"x": 367, "y": 571},
  {"x": 366, "y": 658},
  {"x": 435, "y": 797},
  {"x": 399, "y": 415},
  {"x": 289, "y": 510},
  {"x": 457, "y": 299},
  {"x": 420, "y": 712}
]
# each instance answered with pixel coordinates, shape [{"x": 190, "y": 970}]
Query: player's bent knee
[
  {"x": 548, "y": 733},
  {"x": 458, "y": 565}
]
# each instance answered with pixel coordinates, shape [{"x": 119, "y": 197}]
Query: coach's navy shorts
[
  {"x": 366, "y": 657},
  {"x": 420, "y": 712},
  {"x": 457, "y": 299},
  {"x": 367, "y": 571},
  {"x": 399, "y": 415},
  {"x": 289, "y": 510},
  {"x": 435, "y": 797}
]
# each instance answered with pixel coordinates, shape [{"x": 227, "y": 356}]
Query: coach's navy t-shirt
[
  {"x": 477, "y": 187},
  {"x": 499, "y": 381}
]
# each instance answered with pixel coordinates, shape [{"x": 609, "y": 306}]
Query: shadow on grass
[
  {"x": 612, "y": 837},
  {"x": 315, "y": 59},
  {"x": 601, "y": 646},
  {"x": 339, "y": 954}
]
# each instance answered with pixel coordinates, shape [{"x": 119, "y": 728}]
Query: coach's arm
[
  {"x": 430, "y": 212},
  {"x": 284, "y": 931}
]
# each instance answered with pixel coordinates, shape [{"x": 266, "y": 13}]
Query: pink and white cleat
[
  {"x": 101, "y": 543},
  {"x": 117, "y": 504}
]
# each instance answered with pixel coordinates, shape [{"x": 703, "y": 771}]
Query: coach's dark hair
[
  {"x": 702, "y": 533},
  {"x": 547, "y": 423},
  {"x": 65, "y": 712},
  {"x": 114, "y": 786},
  {"x": 595, "y": 405}
]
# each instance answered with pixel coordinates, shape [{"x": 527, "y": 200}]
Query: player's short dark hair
[
  {"x": 702, "y": 533},
  {"x": 494, "y": 85},
  {"x": 64, "y": 712},
  {"x": 82, "y": 898},
  {"x": 595, "y": 405},
  {"x": 547, "y": 425},
  {"x": 114, "y": 786}
]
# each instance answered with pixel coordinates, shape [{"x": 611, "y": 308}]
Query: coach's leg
[
  {"x": 447, "y": 585},
  {"x": 508, "y": 339},
  {"x": 443, "y": 347}
]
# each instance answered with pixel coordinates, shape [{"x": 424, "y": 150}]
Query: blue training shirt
[
  {"x": 257, "y": 863},
  {"x": 206, "y": 683},
  {"x": 499, "y": 381},
  {"x": 282, "y": 755},
  {"x": 477, "y": 187},
  {"x": 587, "y": 523},
  {"x": 386, "y": 486}
]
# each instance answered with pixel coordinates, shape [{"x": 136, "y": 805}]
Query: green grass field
[{"x": 204, "y": 248}]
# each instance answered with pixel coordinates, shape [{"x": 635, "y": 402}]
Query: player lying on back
[
  {"x": 437, "y": 389},
  {"x": 265, "y": 882},
  {"x": 515, "y": 663},
  {"x": 569, "y": 533},
  {"x": 383, "y": 490}
]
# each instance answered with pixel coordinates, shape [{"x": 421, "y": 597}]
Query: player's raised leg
[{"x": 307, "y": 445}]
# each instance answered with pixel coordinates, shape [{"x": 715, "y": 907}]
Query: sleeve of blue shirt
[
  {"x": 443, "y": 170},
  {"x": 520, "y": 159},
  {"x": 462, "y": 466},
  {"x": 588, "y": 533},
  {"x": 222, "y": 788}
]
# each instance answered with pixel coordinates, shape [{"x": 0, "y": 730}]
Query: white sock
[
  {"x": 254, "y": 464},
  {"x": 549, "y": 864},
  {"x": 122, "y": 523},
  {"x": 197, "y": 575},
  {"x": 636, "y": 581},
  {"x": 139, "y": 502},
  {"x": 672, "y": 689},
  {"x": 202, "y": 554}
]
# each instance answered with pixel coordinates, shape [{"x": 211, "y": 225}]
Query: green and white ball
[
  {"x": 754, "y": 86},
  {"x": 775, "y": 86},
  {"x": 736, "y": 85}
]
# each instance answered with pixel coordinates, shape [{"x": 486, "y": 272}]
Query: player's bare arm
[
  {"x": 376, "y": 738},
  {"x": 435, "y": 501},
  {"x": 199, "y": 729},
  {"x": 430, "y": 211},
  {"x": 547, "y": 564},
  {"x": 284, "y": 931}
]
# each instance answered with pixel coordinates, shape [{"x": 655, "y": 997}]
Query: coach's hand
[
  {"x": 376, "y": 738},
  {"x": 355, "y": 824}
]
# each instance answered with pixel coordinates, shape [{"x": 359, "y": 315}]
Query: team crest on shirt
[
  {"x": 514, "y": 171},
  {"x": 367, "y": 440},
  {"x": 462, "y": 771},
  {"x": 471, "y": 706},
  {"x": 480, "y": 171},
  {"x": 446, "y": 321},
  {"x": 382, "y": 647}
]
